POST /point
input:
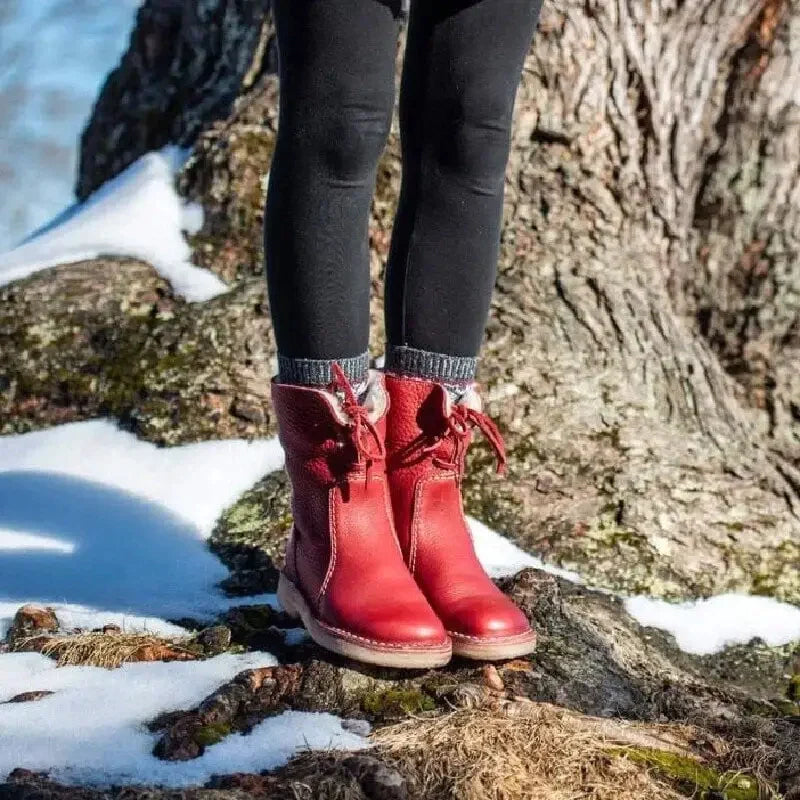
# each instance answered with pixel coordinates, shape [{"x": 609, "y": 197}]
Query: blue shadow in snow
[{"x": 130, "y": 555}]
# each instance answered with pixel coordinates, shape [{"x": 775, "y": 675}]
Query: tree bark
[
  {"x": 637, "y": 460},
  {"x": 744, "y": 289},
  {"x": 185, "y": 67},
  {"x": 645, "y": 322}
]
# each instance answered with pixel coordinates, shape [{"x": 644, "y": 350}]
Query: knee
[
  {"x": 475, "y": 139},
  {"x": 352, "y": 138}
]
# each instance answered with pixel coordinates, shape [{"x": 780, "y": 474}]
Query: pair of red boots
[{"x": 380, "y": 564}]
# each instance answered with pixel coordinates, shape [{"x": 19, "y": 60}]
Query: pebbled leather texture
[
  {"x": 425, "y": 465},
  {"x": 343, "y": 554}
]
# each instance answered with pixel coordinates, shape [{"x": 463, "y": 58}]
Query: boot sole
[
  {"x": 382, "y": 655},
  {"x": 479, "y": 649}
]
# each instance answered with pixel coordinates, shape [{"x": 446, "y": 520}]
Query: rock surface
[
  {"x": 75, "y": 347},
  {"x": 32, "y": 620},
  {"x": 215, "y": 46}
]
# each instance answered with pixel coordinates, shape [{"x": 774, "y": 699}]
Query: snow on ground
[
  {"x": 112, "y": 746},
  {"x": 110, "y": 528},
  {"x": 501, "y": 557},
  {"x": 138, "y": 214},
  {"x": 707, "y": 626},
  {"x": 700, "y": 627}
]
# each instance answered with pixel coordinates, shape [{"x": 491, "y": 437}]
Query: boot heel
[{"x": 285, "y": 592}]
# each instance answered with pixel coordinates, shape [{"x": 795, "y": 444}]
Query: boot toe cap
[
  {"x": 413, "y": 632},
  {"x": 395, "y": 625},
  {"x": 488, "y": 618}
]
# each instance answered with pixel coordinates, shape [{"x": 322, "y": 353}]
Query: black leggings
[{"x": 462, "y": 67}]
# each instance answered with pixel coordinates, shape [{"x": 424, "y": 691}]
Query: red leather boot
[
  {"x": 427, "y": 438},
  {"x": 344, "y": 573}
]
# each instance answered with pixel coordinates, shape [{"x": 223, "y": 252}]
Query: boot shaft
[
  {"x": 323, "y": 442},
  {"x": 335, "y": 460},
  {"x": 424, "y": 468},
  {"x": 428, "y": 434},
  {"x": 425, "y": 434}
]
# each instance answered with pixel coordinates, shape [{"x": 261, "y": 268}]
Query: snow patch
[
  {"x": 108, "y": 528},
  {"x": 111, "y": 745},
  {"x": 139, "y": 215},
  {"x": 708, "y": 626},
  {"x": 196, "y": 481},
  {"x": 501, "y": 557}
]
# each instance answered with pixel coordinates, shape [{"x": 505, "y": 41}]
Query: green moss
[
  {"x": 787, "y": 708},
  {"x": 396, "y": 702},
  {"x": 777, "y": 575},
  {"x": 701, "y": 780},
  {"x": 734, "y": 526},
  {"x": 211, "y": 734},
  {"x": 259, "y": 520},
  {"x": 614, "y": 535},
  {"x": 246, "y": 516}
]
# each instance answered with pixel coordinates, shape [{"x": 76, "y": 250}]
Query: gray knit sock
[
  {"x": 319, "y": 372},
  {"x": 455, "y": 372}
]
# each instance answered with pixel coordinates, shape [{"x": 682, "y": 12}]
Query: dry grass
[
  {"x": 538, "y": 752},
  {"x": 108, "y": 650},
  {"x": 767, "y": 748},
  {"x": 531, "y": 751},
  {"x": 316, "y": 776}
]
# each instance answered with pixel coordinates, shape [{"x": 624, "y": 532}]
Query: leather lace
[
  {"x": 367, "y": 441},
  {"x": 459, "y": 424}
]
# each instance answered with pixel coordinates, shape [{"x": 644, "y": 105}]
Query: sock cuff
[
  {"x": 318, "y": 371},
  {"x": 439, "y": 367}
]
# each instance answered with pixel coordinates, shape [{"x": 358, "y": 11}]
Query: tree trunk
[
  {"x": 636, "y": 455},
  {"x": 744, "y": 287},
  {"x": 641, "y": 341}
]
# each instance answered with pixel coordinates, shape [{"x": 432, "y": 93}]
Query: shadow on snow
[{"x": 127, "y": 554}]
